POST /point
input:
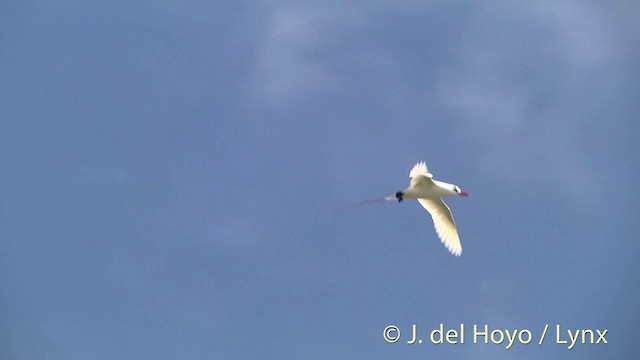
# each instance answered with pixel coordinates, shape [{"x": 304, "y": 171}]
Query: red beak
[{"x": 464, "y": 193}]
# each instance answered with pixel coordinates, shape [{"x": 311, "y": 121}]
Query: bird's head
[{"x": 457, "y": 190}]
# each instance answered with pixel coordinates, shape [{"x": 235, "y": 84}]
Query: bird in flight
[{"x": 429, "y": 193}]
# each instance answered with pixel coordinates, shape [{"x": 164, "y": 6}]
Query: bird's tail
[{"x": 366, "y": 202}]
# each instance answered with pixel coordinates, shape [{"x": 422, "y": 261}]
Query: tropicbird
[{"x": 429, "y": 193}]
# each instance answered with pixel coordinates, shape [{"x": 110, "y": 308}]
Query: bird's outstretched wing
[
  {"x": 444, "y": 224},
  {"x": 419, "y": 173}
]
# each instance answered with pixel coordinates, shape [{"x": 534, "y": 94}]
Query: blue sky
[{"x": 173, "y": 172}]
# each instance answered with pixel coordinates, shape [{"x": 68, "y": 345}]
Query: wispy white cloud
[
  {"x": 527, "y": 120},
  {"x": 520, "y": 85},
  {"x": 289, "y": 62}
]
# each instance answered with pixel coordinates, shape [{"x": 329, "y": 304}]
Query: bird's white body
[
  {"x": 420, "y": 191},
  {"x": 429, "y": 194}
]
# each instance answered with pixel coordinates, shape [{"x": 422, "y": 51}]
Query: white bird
[{"x": 429, "y": 194}]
